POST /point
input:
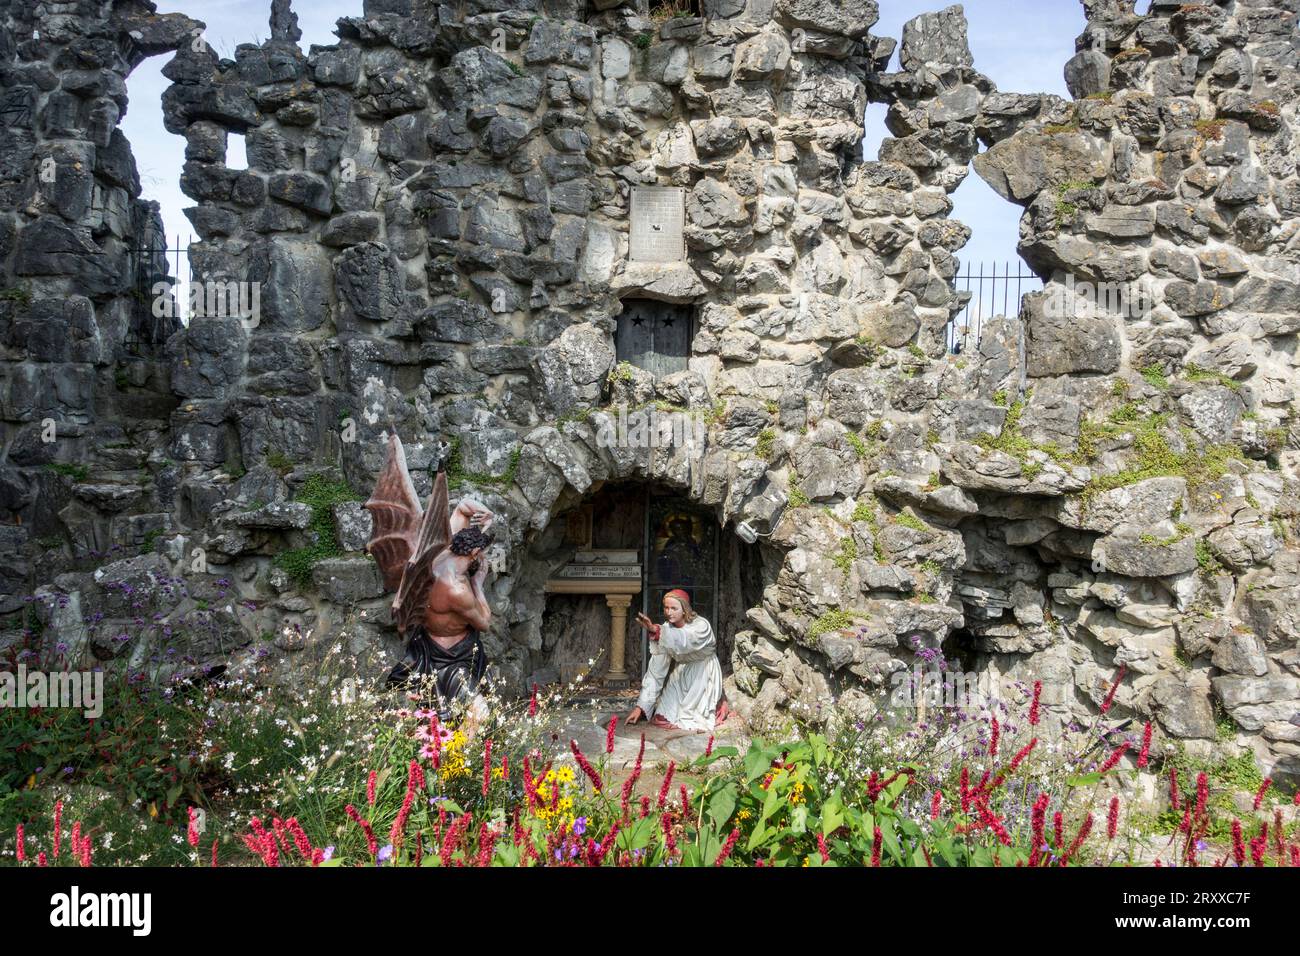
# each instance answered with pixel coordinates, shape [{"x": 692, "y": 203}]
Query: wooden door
[{"x": 655, "y": 336}]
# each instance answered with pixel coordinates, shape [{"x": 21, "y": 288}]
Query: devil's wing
[
  {"x": 396, "y": 513},
  {"x": 433, "y": 538}
]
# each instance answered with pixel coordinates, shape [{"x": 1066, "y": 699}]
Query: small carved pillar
[{"x": 618, "y": 605}]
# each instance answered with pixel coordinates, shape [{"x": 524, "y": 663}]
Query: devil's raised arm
[{"x": 468, "y": 507}]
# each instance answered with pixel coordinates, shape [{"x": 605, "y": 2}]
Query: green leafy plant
[{"x": 322, "y": 494}]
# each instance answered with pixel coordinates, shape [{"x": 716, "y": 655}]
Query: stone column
[{"x": 618, "y": 605}]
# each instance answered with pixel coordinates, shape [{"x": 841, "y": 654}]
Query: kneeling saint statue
[{"x": 682, "y": 685}]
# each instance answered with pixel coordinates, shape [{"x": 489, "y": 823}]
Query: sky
[{"x": 1022, "y": 45}]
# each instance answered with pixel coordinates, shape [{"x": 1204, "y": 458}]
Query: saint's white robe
[{"x": 683, "y": 681}]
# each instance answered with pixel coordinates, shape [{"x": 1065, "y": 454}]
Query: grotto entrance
[{"x": 640, "y": 539}]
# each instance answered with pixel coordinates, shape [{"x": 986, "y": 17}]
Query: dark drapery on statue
[{"x": 453, "y": 673}]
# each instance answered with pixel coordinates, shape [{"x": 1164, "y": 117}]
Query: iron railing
[
  {"x": 991, "y": 290},
  {"x": 158, "y": 261}
]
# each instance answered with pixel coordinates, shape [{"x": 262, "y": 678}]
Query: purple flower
[
  {"x": 328, "y": 854},
  {"x": 580, "y": 826},
  {"x": 385, "y": 853}
]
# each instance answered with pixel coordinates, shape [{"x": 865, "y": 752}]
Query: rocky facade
[{"x": 436, "y": 212}]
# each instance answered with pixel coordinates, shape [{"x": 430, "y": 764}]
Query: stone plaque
[
  {"x": 601, "y": 571},
  {"x": 658, "y": 216},
  {"x": 607, "y": 556}
]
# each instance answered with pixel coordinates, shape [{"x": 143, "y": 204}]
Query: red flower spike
[
  {"x": 994, "y": 738},
  {"x": 609, "y": 734},
  {"x": 1238, "y": 844},
  {"x": 727, "y": 847},
  {"x": 1112, "y": 819},
  {"x": 1263, "y": 790},
  {"x": 370, "y": 787},
  {"x": 1202, "y": 794},
  {"x": 877, "y": 842},
  {"x": 1034, "y": 706},
  {"x": 371, "y": 843},
  {"x": 668, "y": 780},
  {"x": 22, "y": 844},
  {"x": 821, "y": 848},
  {"x": 586, "y": 766},
  {"x": 1115, "y": 757},
  {"x": 1082, "y": 835},
  {"x": 1145, "y": 755},
  {"x": 1024, "y": 752},
  {"x": 666, "y": 823},
  {"x": 1114, "y": 688}
]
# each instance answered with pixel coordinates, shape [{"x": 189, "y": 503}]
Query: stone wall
[{"x": 436, "y": 210}]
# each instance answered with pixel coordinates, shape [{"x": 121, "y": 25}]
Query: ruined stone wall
[
  {"x": 82, "y": 392},
  {"x": 436, "y": 213}
]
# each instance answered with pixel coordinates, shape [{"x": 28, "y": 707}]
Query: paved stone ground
[{"x": 587, "y": 720}]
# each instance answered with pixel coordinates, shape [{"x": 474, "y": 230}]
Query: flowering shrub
[{"x": 313, "y": 776}]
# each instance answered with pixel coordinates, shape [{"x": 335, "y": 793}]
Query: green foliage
[
  {"x": 20, "y": 295},
  {"x": 322, "y": 495},
  {"x": 1227, "y": 776},
  {"x": 834, "y": 620},
  {"x": 909, "y": 520},
  {"x": 1011, "y": 441},
  {"x": 1206, "y": 560},
  {"x": 130, "y": 749},
  {"x": 457, "y": 475},
  {"x": 845, "y": 557},
  {"x": 798, "y": 497},
  {"x": 766, "y": 446},
  {"x": 1155, "y": 376},
  {"x": 1195, "y": 374},
  {"x": 644, "y": 39},
  {"x": 75, "y": 472},
  {"x": 858, "y": 445},
  {"x": 279, "y": 462},
  {"x": 1153, "y": 455}
]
